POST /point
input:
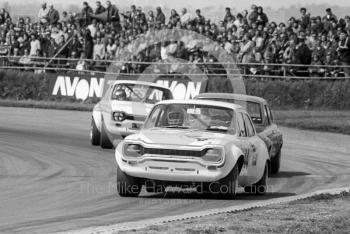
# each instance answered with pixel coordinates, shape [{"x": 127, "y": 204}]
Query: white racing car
[
  {"x": 123, "y": 109},
  {"x": 212, "y": 146}
]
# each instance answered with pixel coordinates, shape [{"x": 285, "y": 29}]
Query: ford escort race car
[
  {"x": 123, "y": 109},
  {"x": 261, "y": 115},
  {"x": 206, "y": 144}
]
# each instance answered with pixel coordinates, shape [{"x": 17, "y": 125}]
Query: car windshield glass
[
  {"x": 191, "y": 116},
  {"x": 139, "y": 93},
  {"x": 253, "y": 108}
]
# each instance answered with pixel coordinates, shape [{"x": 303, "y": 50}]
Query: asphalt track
[{"x": 52, "y": 179}]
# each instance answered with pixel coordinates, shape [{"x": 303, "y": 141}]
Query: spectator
[
  {"x": 43, "y": 14},
  {"x": 65, "y": 18},
  {"x": 86, "y": 14},
  {"x": 344, "y": 51},
  {"x": 199, "y": 19},
  {"x": 329, "y": 16},
  {"x": 228, "y": 15},
  {"x": 112, "y": 14},
  {"x": 160, "y": 17},
  {"x": 99, "y": 50},
  {"x": 253, "y": 15},
  {"x": 99, "y": 8},
  {"x": 174, "y": 18},
  {"x": 303, "y": 53},
  {"x": 261, "y": 17},
  {"x": 34, "y": 45},
  {"x": 185, "y": 16},
  {"x": 53, "y": 16},
  {"x": 304, "y": 19}
]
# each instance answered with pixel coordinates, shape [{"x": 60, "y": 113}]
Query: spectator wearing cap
[
  {"x": 304, "y": 18},
  {"x": 53, "y": 16},
  {"x": 160, "y": 17},
  {"x": 344, "y": 51},
  {"x": 43, "y": 13}
]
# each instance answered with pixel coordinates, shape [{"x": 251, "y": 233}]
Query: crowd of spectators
[{"x": 100, "y": 33}]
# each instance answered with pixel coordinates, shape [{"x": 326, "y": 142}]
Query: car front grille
[{"x": 175, "y": 152}]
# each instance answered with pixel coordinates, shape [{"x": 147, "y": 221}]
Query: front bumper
[
  {"x": 174, "y": 169},
  {"x": 124, "y": 128}
]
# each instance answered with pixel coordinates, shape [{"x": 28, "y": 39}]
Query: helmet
[{"x": 119, "y": 94}]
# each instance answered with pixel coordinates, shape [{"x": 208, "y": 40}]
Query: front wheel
[
  {"x": 95, "y": 135},
  {"x": 127, "y": 186},
  {"x": 226, "y": 187},
  {"x": 105, "y": 141}
]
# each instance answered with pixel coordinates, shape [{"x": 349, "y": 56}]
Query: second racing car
[{"x": 123, "y": 109}]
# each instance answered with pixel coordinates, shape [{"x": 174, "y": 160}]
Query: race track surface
[{"x": 52, "y": 179}]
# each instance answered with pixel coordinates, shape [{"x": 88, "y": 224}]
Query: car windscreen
[
  {"x": 191, "y": 116},
  {"x": 139, "y": 93},
  {"x": 253, "y": 108}
]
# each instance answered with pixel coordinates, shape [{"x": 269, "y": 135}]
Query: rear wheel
[
  {"x": 127, "y": 186},
  {"x": 105, "y": 141},
  {"x": 259, "y": 188},
  {"x": 95, "y": 135},
  {"x": 276, "y": 163}
]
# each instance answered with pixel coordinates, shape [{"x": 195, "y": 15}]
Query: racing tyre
[
  {"x": 259, "y": 188},
  {"x": 127, "y": 186},
  {"x": 226, "y": 187},
  {"x": 95, "y": 135},
  {"x": 105, "y": 142},
  {"x": 276, "y": 163}
]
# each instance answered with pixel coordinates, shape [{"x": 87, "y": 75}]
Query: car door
[
  {"x": 254, "y": 143},
  {"x": 244, "y": 135}
]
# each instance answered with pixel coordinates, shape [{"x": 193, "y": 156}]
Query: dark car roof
[{"x": 241, "y": 97}]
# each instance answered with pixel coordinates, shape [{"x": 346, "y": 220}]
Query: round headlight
[
  {"x": 133, "y": 150},
  {"x": 119, "y": 116},
  {"x": 213, "y": 155}
]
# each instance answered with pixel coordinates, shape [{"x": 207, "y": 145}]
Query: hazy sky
[{"x": 239, "y": 4}]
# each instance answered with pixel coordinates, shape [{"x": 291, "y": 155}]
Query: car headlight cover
[
  {"x": 119, "y": 116},
  {"x": 213, "y": 155},
  {"x": 133, "y": 150}
]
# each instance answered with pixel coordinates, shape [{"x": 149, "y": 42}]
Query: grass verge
[
  {"x": 319, "y": 120},
  {"x": 319, "y": 214}
]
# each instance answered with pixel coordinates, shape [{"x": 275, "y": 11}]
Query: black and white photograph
[{"x": 162, "y": 117}]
